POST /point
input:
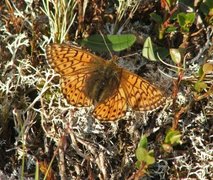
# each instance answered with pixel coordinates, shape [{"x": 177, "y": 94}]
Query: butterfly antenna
[{"x": 106, "y": 44}]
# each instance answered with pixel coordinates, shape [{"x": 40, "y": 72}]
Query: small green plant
[
  {"x": 172, "y": 19},
  {"x": 113, "y": 42},
  {"x": 175, "y": 55},
  {"x": 185, "y": 20},
  {"x": 200, "y": 85},
  {"x": 144, "y": 156},
  {"x": 152, "y": 51},
  {"x": 173, "y": 137},
  {"x": 206, "y": 7},
  {"x": 61, "y": 17},
  {"x": 122, "y": 9}
]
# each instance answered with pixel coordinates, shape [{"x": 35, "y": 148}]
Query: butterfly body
[
  {"x": 87, "y": 79},
  {"x": 103, "y": 82}
]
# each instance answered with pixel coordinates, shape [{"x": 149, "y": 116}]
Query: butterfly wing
[
  {"x": 133, "y": 91},
  {"x": 141, "y": 95},
  {"x": 73, "y": 90},
  {"x": 112, "y": 108},
  {"x": 69, "y": 60},
  {"x": 75, "y": 66}
]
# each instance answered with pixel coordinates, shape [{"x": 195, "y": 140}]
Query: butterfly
[{"x": 87, "y": 80}]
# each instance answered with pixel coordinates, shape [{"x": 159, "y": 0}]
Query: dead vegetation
[{"x": 41, "y": 132}]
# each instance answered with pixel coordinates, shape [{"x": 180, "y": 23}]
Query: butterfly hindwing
[
  {"x": 73, "y": 90},
  {"x": 141, "y": 95},
  {"x": 113, "y": 108}
]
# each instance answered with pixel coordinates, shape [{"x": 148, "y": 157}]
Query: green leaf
[
  {"x": 150, "y": 50},
  {"x": 143, "y": 155},
  {"x": 140, "y": 153},
  {"x": 169, "y": 2},
  {"x": 209, "y": 3},
  {"x": 156, "y": 18},
  {"x": 204, "y": 8},
  {"x": 161, "y": 52},
  {"x": 200, "y": 86},
  {"x": 113, "y": 42},
  {"x": 170, "y": 29},
  {"x": 190, "y": 18},
  {"x": 200, "y": 71},
  {"x": 138, "y": 164},
  {"x": 185, "y": 20},
  {"x": 143, "y": 142},
  {"x": 175, "y": 55},
  {"x": 173, "y": 137}
]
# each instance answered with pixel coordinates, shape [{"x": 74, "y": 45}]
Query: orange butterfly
[{"x": 88, "y": 79}]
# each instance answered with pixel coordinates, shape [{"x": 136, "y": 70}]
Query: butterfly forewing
[
  {"x": 68, "y": 60},
  {"x": 74, "y": 65}
]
